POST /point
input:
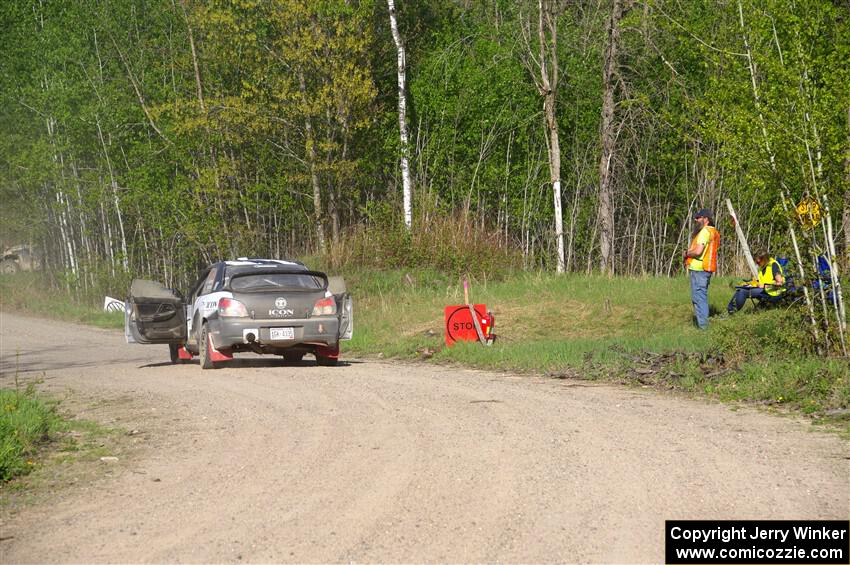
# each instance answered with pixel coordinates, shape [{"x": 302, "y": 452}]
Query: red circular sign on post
[{"x": 459, "y": 324}]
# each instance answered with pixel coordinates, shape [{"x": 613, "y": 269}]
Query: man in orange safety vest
[{"x": 701, "y": 262}]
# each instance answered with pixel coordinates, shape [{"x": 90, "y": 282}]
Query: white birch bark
[
  {"x": 107, "y": 238},
  {"x": 402, "y": 118},
  {"x": 65, "y": 230},
  {"x": 548, "y": 87}
]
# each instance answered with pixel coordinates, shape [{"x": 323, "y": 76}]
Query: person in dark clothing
[{"x": 768, "y": 287}]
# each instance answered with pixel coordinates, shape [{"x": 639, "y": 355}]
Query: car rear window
[{"x": 276, "y": 281}]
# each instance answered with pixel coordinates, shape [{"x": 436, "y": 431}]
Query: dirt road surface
[{"x": 375, "y": 461}]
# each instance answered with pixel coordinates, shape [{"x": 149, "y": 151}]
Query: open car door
[
  {"x": 345, "y": 306},
  {"x": 154, "y": 314}
]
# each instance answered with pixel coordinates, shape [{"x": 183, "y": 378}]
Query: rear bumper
[{"x": 230, "y": 333}]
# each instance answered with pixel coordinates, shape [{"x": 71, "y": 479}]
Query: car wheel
[
  {"x": 205, "y": 349},
  {"x": 323, "y": 361},
  {"x": 293, "y": 357}
]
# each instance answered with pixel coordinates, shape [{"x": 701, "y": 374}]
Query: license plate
[{"x": 282, "y": 333}]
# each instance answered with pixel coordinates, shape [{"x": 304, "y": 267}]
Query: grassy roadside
[
  {"x": 631, "y": 330},
  {"x": 26, "y": 292},
  {"x": 34, "y": 432},
  {"x": 27, "y": 422}
]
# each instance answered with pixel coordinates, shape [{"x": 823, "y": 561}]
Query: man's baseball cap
[{"x": 704, "y": 213}]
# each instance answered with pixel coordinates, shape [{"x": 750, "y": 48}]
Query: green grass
[
  {"x": 600, "y": 328},
  {"x": 543, "y": 321},
  {"x": 26, "y": 423},
  {"x": 34, "y": 431},
  {"x": 27, "y": 292}
]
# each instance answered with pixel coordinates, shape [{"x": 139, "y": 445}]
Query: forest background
[{"x": 149, "y": 137}]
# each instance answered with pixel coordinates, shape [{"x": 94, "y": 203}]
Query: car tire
[
  {"x": 293, "y": 357},
  {"x": 323, "y": 361},
  {"x": 205, "y": 350}
]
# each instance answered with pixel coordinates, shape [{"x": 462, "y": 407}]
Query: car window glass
[
  {"x": 208, "y": 284},
  {"x": 277, "y": 281},
  {"x": 217, "y": 284},
  {"x": 196, "y": 288}
]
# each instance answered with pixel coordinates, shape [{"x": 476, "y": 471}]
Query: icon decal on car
[{"x": 280, "y": 310}]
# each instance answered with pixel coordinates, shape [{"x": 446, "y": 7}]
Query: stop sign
[{"x": 459, "y": 324}]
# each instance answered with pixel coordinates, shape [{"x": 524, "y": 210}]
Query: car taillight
[
  {"x": 229, "y": 307},
  {"x": 325, "y": 307}
]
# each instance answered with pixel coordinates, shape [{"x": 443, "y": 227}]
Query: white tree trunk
[
  {"x": 402, "y": 119},
  {"x": 548, "y": 87},
  {"x": 107, "y": 238}
]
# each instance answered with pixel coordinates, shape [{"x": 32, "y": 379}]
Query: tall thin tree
[
  {"x": 608, "y": 140},
  {"x": 544, "y": 70},
  {"x": 402, "y": 117},
  {"x": 846, "y": 218}
]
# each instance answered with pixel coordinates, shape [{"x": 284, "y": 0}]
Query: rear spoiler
[{"x": 317, "y": 274}]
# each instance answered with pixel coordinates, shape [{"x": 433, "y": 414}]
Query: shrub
[
  {"x": 780, "y": 332},
  {"x": 449, "y": 243}
]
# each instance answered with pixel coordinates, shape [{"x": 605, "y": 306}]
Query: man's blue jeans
[{"x": 699, "y": 296}]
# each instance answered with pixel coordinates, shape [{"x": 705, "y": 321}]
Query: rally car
[{"x": 264, "y": 306}]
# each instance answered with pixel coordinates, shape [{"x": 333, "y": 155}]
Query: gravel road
[{"x": 376, "y": 461}]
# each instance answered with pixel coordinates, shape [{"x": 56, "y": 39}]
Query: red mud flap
[
  {"x": 329, "y": 352},
  {"x": 183, "y": 353},
  {"x": 215, "y": 354}
]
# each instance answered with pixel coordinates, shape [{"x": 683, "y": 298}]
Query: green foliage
[
  {"x": 446, "y": 243},
  {"x": 809, "y": 384},
  {"x": 26, "y": 422},
  {"x": 776, "y": 333}
]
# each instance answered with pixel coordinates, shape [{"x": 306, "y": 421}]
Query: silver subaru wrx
[{"x": 266, "y": 306}]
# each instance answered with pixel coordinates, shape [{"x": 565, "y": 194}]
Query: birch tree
[
  {"x": 402, "y": 117},
  {"x": 545, "y": 72}
]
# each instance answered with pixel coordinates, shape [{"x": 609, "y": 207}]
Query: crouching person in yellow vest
[
  {"x": 701, "y": 261},
  {"x": 769, "y": 286}
]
